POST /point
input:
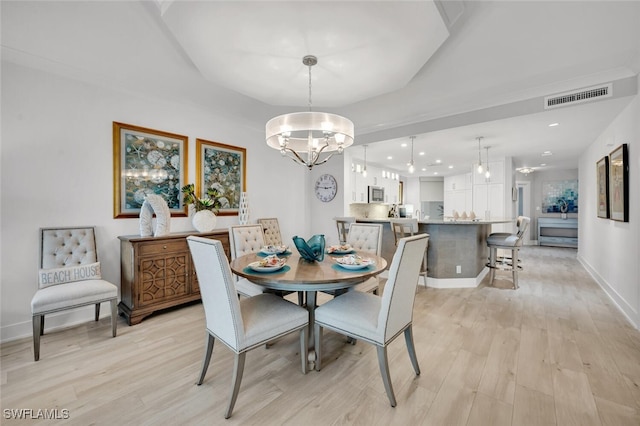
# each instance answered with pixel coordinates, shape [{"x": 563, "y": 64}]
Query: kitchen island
[{"x": 457, "y": 251}]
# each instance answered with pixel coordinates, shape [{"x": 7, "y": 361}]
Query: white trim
[
  {"x": 457, "y": 282},
  {"x": 627, "y": 310}
]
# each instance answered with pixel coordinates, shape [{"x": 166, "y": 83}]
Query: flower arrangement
[{"x": 211, "y": 202}]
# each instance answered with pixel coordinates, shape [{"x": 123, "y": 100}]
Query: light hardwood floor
[{"x": 554, "y": 352}]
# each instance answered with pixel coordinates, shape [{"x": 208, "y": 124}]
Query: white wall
[
  {"x": 57, "y": 170},
  {"x": 608, "y": 249}
]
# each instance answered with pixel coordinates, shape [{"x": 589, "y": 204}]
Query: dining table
[{"x": 299, "y": 274}]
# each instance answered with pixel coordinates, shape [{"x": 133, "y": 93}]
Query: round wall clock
[{"x": 326, "y": 188}]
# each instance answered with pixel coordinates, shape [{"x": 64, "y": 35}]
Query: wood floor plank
[
  {"x": 534, "y": 367},
  {"x": 533, "y": 408},
  {"x": 499, "y": 375},
  {"x": 573, "y": 398}
]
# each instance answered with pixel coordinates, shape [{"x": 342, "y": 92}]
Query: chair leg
[
  {"x": 37, "y": 321},
  {"x": 114, "y": 316},
  {"x": 300, "y": 298},
  {"x": 493, "y": 252},
  {"x": 383, "y": 362},
  {"x": 207, "y": 358},
  {"x": 97, "y": 311},
  {"x": 41, "y": 324},
  {"x": 514, "y": 267},
  {"x": 318, "y": 346},
  {"x": 411, "y": 348},
  {"x": 304, "y": 348},
  {"x": 238, "y": 369}
]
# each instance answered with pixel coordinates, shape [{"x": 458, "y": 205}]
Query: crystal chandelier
[{"x": 304, "y": 136}]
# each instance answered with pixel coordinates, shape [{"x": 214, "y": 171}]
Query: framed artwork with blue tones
[
  {"x": 147, "y": 161},
  {"x": 222, "y": 168},
  {"x": 560, "y": 197}
]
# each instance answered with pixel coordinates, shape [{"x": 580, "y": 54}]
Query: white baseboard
[
  {"x": 457, "y": 282},
  {"x": 627, "y": 310}
]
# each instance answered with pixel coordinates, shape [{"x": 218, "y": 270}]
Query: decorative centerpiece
[
  {"x": 312, "y": 250},
  {"x": 204, "y": 218}
]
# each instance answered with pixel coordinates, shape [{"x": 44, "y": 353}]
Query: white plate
[
  {"x": 362, "y": 265},
  {"x": 256, "y": 266},
  {"x": 336, "y": 251},
  {"x": 274, "y": 249}
]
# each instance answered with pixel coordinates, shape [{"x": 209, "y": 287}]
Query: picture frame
[
  {"x": 224, "y": 168},
  {"x": 602, "y": 177},
  {"x": 619, "y": 184},
  {"x": 147, "y": 161}
]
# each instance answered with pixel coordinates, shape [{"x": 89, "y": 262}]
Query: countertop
[{"x": 442, "y": 222}]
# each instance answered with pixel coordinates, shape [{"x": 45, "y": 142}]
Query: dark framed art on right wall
[{"x": 619, "y": 184}]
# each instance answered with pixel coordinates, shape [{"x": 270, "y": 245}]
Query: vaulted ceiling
[{"x": 446, "y": 72}]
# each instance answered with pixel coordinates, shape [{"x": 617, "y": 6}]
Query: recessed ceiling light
[
  {"x": 421, "y": 153},
  {"x": 451, "y": 167},
  {"x": 435, "y": 173},
  {"x": 543, "y": 164},
  {"x": 404, "y": 145},
  {"x": 547, "y": 153},
  {"x": 424, "y": 169},
  {"x": 389, "y": 158},
  {"x": 554, "y": 124},
  {"x": 438, "y": 161}
]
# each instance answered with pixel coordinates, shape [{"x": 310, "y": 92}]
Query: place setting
[
  {"x": 271, "y": 263},
  {"x": 280, "y": 250},
  {"x": 353, "y": 262},
  {"x": 340, "y": 249}
]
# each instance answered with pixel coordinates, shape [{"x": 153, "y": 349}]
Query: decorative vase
[
  {"x": 243, "y": 210},
  {"x": 204, "y": 221},
  {"x": 312, "y": 250}
]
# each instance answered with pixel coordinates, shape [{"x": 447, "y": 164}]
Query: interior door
[{"x": 523, "y": 208}]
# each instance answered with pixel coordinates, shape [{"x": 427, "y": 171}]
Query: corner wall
[{"x": 610, "y": 250}]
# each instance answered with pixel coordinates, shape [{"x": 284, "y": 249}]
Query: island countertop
[{"x": 440, "y": 221}]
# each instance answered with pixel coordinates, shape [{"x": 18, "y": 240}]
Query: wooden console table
[{"x": 158, "y": 273}]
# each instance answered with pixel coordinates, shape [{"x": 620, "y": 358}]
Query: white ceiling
[{"x": 379, "y": 65}]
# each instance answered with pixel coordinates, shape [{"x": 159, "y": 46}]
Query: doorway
[{"x": 523, "y": 206}]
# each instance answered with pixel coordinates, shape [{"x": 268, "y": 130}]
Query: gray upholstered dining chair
[
  {"x": 69, "y": 277},
  {"x": 405, "y": 228},
  {"x": 271, "y": 229},
  {"x": 240, "y": 324},
  {"x": 245, "y": 239},
  {"x": 507, "y": 241},
  {"x": 379, "y": 319}
]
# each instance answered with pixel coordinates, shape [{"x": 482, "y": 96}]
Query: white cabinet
[{"x": 458, "y": 194}]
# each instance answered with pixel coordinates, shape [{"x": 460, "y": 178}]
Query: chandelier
[
  {"x": 411, "y": 168},
  {"x": 480, "y": 170},
  {"x": 304, "y": 136},
  {"x": 526, "y": 170}
]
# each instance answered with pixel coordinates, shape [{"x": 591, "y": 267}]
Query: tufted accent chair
[
  {"x": 366, "y": 237},
  {"x": 245, "y": 239},
  {"x": 271, "y": 230},
  {"x": 69, "y": 277},
  {"x": 343, "y": 224}
]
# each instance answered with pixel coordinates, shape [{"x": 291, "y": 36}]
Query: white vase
[
  {"x": 243, "y": 210},
  {"x": 204, "y": 221}
]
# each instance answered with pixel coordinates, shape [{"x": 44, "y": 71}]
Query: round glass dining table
[{"x": 301, "y": 275}]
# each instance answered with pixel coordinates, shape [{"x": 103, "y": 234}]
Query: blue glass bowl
[{"x": 312, "y": 250}]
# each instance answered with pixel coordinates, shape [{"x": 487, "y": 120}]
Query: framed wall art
[
  {"x": 602, "y": 175},
  {"x": 147, "y": 161},
  {"x": 222, "y": 168},
  {"x": 619, "y": 184}
]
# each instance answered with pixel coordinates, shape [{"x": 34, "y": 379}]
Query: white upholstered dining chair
[
  {"x": 271, "y": 229},
  {"x": 343, "y": 224},
  {"x": 241, "y": 324},
  {"x": 405, "y": 227},
  {"x": 379, "y": 319},
  {"x": 366, "y": 237},
  {"x": 69, "y": 277}
]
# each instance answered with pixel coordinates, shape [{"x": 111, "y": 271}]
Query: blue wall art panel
[{"x": 560, "y": 196}]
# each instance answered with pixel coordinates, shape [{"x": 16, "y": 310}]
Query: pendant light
[
  {"x": 488, "y": 173},
  {"x": 411, "y": 168},
  {"x": 304, "y": 136},
  {"x": 480, "y": 169},
  {"x": 364, "y": 171}
]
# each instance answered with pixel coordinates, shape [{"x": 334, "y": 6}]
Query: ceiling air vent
[{"x": 579, "y": 96}]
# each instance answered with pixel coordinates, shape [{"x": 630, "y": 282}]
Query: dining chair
[
  {"x": 507, "y": 241},
  {"x": 343, "y": 224},
  {"x": 366, "y": 237},
  {"x": 69, "y": 277},
  {"x": 245, "y": 239},
  {"x": 240, "y": 324},
  {"x": 379, "y": 319},
  {"x": 405, "y": 228},
  {"x": 271, "y": 229}
]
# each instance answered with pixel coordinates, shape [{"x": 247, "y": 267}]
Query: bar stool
[
  {"x": 406, "y": 228},
  {"x": 506, "y": 241},
  {"x": 343, "y": 224}
]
